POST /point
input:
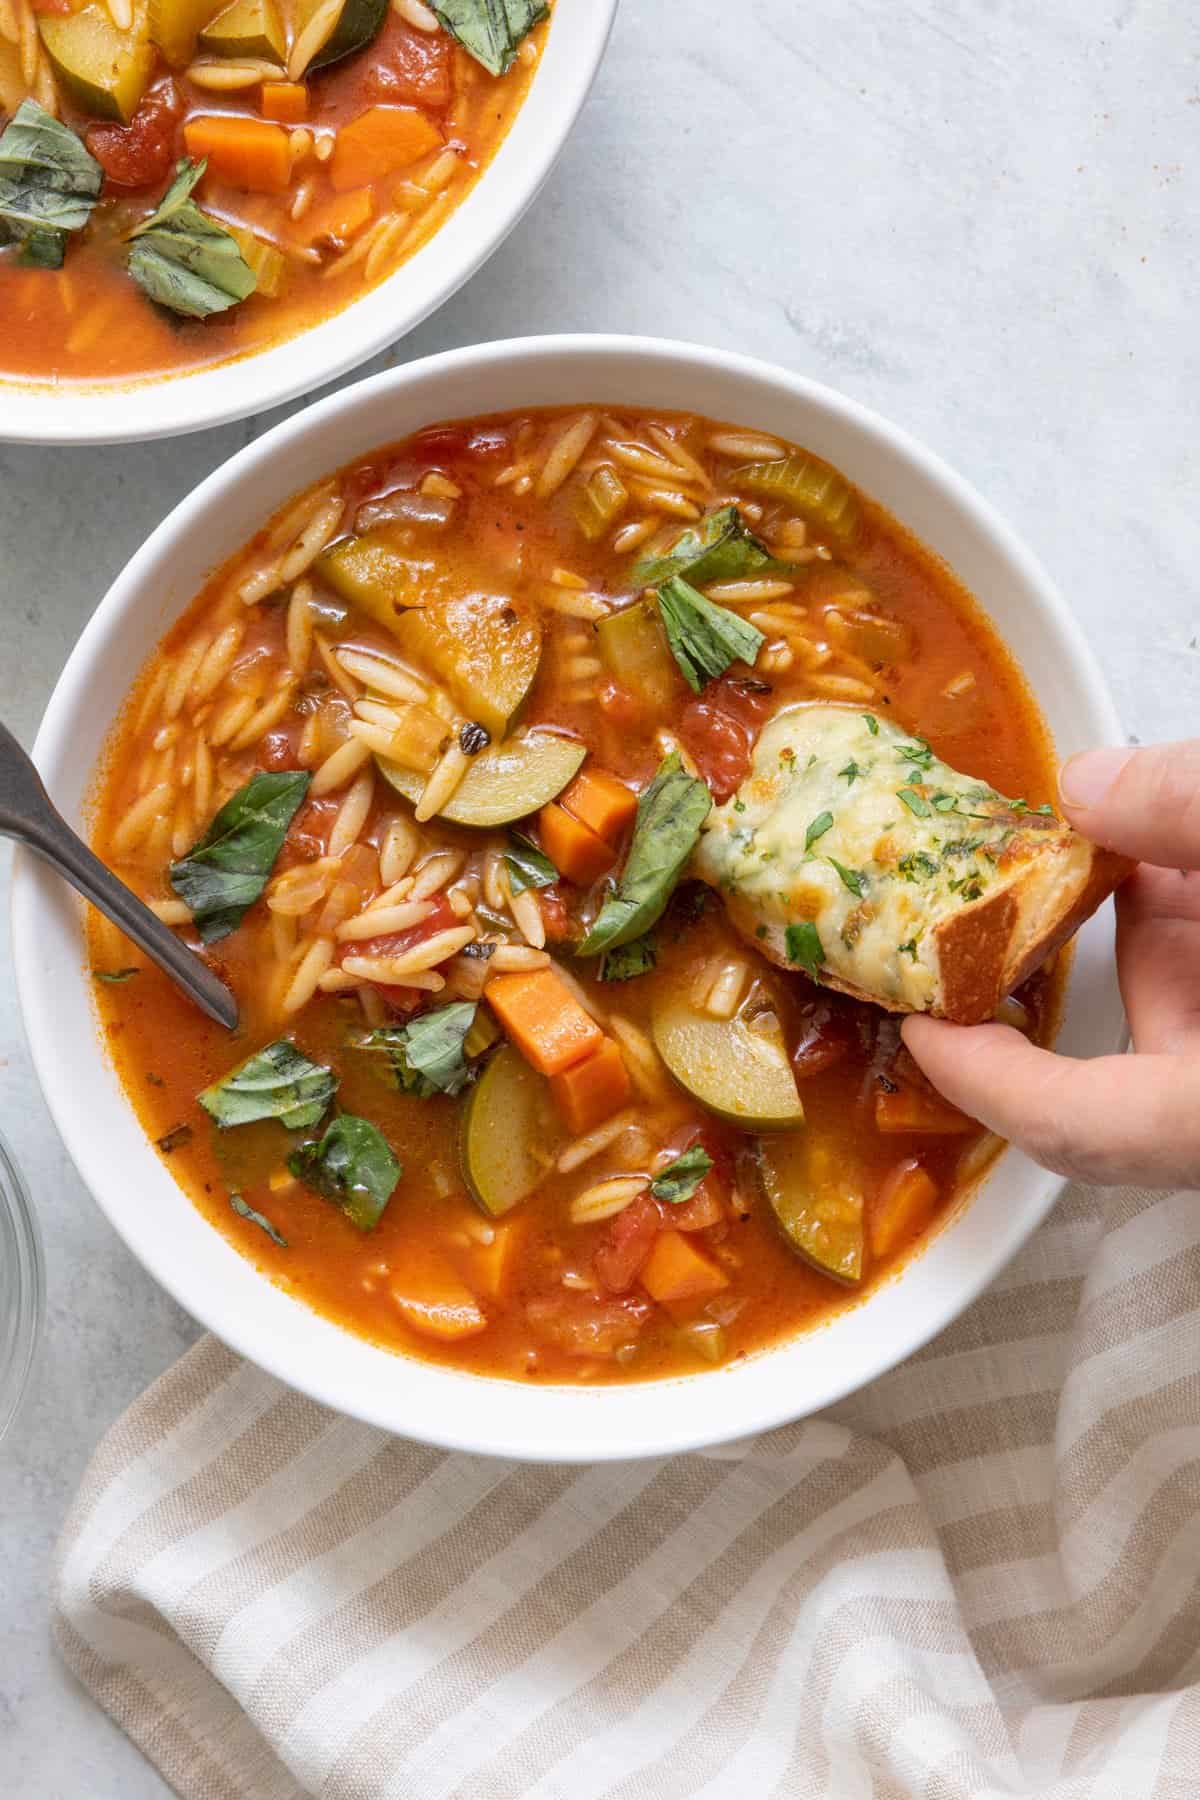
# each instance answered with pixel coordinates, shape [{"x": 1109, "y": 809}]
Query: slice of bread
[{"x": 853, "y": 853}]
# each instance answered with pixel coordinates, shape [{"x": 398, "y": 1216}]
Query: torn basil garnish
[
  {"x": 680, "y": 1179},
  {"x": 669, "y": 816},
  {"x": 490, "y": 30},
  {"x": 224, "y": 873},
  {"x": 427, "y": 1055},
  {"x": 115, "y": 977},
  {"x": 185, "y": 260},
  {"x": 245, "y": 1211},
  {"x": 526, "y": 866},
  {"x": 277, "y": 1082},
  {"x": 804, "y": 947},
  {"x": 353, "y": 1166},
  {"x": 49, "y": 184},
  {"x": 627, "y": 961},
  {"x": 704, "y": 638},
  {"x": 720, "y": 548}
]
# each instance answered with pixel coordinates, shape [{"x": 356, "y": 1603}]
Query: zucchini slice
[
  {"x": 176, "y": 24},
  {"x": 247, "y": 28},
  {"x": 357, "y": 25},
  {"x": 505, "y": 782},
  {"x": 485, "y": 648},
  {"x": 104, "y": 71},
  {"x": 507, "y": 1113},
  {"x": 819, "y": 1204},
  {"x": 737, "y": 1068}
]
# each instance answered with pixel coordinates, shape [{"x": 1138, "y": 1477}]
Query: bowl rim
[
  {"x": 682, "y": 1427},
  {"x": 144, "y": 408}
]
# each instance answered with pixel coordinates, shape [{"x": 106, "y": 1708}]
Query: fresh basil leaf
[
  {"x": 115, "y": 976},
  {"x": 48, "y": 184},
  {"x": 804, "y": 947},
  {"x": 183, "y": 259},
  {"x": 704, "y": 637},
  {"x": 245, "y": 1211},
  {"x": 720, "y": 548},
  {"x": 669, "y": 816},
  {"x": 353, "y": 1166},
  {"x": 490, "y": 30},
  {"x": 817, "y": 829},
  {"x": 427, "y": 1055},
  {"x": 628, "y": 961},
  {"x": 680, "y": 1179},
  {"x": 526, "y": 865},
  {"x": 277, "y": 1082},
  {"x": 872, "y": 724},
  {"x": 854, "y": 879},
  {"x": 224, "y": 873}
]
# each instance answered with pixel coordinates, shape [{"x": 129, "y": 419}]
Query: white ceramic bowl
[
  {"x": 127, "y": 412},
  {"x": 134, "y": 1188}
]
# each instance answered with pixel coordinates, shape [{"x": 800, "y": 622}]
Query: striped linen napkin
[{"x": 980, "y": 1577}]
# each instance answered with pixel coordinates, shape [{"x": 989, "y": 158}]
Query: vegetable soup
[
  {"x": 183, "y": 181},
  {"x": 431, "y": 772}
]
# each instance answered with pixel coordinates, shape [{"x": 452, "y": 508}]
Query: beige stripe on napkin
[{"x": 980, "y": 1577}]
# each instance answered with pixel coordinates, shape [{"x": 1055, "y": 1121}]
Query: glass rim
[{"x": 22, "y": 1287}]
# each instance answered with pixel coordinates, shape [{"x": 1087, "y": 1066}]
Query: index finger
[{"x": 1114, "y": 1119}]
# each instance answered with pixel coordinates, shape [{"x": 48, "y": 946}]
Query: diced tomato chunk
[
  {"x": 719, "y": 746},
  {"x": 277, "y": 751},
  {"x": 410, "y": 66},
  {"x": 827, "y": 1037},
  {"x": 141, "y": 153},
  {"x": 704, "y": 1210},
  {"x": 555, "y": 916},
  {"x": 582, "y": 1325},
  {"x": 628, "y": 1243},
  {"x": 395, "y": 943}
]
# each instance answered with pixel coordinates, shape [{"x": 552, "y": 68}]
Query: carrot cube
[
  {"x": 286, "y": 101},
  {"x": 379, "y": 141},
  {"x": 598, "y": 800},
  {"x": 590, "y": 1092},
  {"x": 544, "y": 1020},
  {"x": 247, "y": 153},
  {"x": 677, "y": 1269},
  {"x": 903, "y": 1205},
  {"x": 340, "y": 219},
  {"x": 495, "y": 1264},
  {"x": 434, "y": 1302},
  {"x": 911, "y": 1109},
  {"x": 572, "y": 847}
]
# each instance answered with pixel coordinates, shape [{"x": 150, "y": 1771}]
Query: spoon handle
[{"x": 28, "y": 814}]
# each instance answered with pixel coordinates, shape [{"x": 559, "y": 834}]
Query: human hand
[{"x": 1114, "y": 1119}]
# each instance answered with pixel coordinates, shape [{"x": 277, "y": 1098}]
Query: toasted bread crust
[{"x": 990, "y": 946}]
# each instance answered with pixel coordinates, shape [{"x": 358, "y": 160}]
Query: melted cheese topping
[{"x": 857, "y": 828}]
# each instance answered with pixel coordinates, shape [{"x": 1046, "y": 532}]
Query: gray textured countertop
[{"x": 982, "y": 221}]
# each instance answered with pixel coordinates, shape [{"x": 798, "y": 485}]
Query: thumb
[
  {"x": 1114, "y": 1119},
  {"x": 1142, "y": 803}
]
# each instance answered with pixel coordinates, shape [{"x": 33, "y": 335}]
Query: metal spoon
[{"x": 28, "y": 814}]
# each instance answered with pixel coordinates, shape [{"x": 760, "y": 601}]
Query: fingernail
[{"x": 1084, "y": 781}]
